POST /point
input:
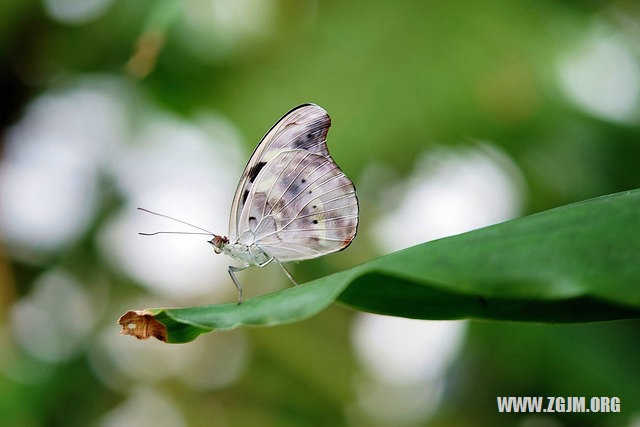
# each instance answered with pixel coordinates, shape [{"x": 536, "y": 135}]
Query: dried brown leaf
[{"x": 142, "y": 325}]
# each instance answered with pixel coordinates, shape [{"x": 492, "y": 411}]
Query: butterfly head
[{"x": 218, "y": 243}]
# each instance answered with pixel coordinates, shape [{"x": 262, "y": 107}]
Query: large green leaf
[{"x": 576, "y": 263}]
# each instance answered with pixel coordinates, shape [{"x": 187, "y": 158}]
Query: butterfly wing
[
  {"x": 299, "y": 205},
  {"x": 304, "y": 127}
]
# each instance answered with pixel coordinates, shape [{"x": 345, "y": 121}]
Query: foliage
[{"x": 547, "y": 267}]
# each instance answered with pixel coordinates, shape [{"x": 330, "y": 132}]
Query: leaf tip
[{"x": 142, "y": 325}]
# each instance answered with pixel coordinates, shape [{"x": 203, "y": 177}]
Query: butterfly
[{"x": 293, "y": 202}]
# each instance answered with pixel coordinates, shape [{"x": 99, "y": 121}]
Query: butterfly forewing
[
  {"x": 299, "y": 205},
  {"x": 303, "y": 128}
]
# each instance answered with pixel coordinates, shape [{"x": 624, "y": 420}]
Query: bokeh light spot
[{"x": 603, "y": 78}]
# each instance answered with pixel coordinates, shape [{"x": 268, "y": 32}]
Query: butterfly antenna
[
  {"x": 174, "y": 219},
  {"x": 171, "y": 232}
]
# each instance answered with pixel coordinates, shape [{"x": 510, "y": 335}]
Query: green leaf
[{"x": 576, "y": 263}]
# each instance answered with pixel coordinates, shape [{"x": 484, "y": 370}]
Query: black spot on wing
[
  {"x": 255, "y": 170},
  {"x": 244, "y": 196},
  {"x": 317, "y": 131}
]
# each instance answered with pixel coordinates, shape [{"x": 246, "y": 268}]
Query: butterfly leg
[
  {"x": 286, "y": 271},
  {"x": 264, "y": 264},
  {"x": 232, "y": 271}
]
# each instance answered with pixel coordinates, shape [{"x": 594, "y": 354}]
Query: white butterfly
[{"x": 292, "y": 202}]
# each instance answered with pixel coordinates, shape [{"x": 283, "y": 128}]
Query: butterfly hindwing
[
  {"x": 301, "y": 207},
  {"x": 303, "y": 128}
]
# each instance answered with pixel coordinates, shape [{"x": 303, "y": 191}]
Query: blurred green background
[{"x": 448, "y": 116}]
